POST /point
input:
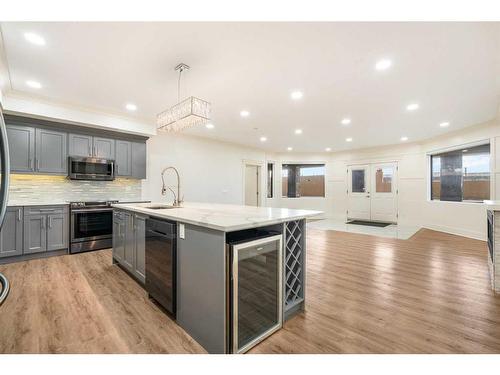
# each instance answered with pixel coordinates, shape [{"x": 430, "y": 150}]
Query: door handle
[
  {"x": 19, "y": 215},
  {"x": 37, "y": 164},
  {"x": 90, "y": 151},
  {"x": 50, "y": 221}
]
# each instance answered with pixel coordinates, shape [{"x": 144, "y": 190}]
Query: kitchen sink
[{"x": 160, "y": 207}]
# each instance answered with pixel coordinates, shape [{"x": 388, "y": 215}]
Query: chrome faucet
[{"x": 177, "y": 197}]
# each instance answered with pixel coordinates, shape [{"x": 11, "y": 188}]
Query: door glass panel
[
  {"x": 258, "y": 285},
  {"x": 383, "y": 180},
  {"x": 358, "y": 181}
]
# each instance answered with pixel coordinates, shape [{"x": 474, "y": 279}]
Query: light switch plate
[{"x": 182, "y": 232}]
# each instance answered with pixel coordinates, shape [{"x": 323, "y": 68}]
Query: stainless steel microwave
[{"x": 93, "y": 169}]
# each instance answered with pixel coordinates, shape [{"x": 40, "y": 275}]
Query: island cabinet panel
[
  {"x": 201, "y": 286},
  {"x": 140, "y": 247},
  {"x": 51, "y": 152},
  {"x": 139, "y": 160},
  {"x": 21, "y": 148},
  {"x": 118, "y": 236},
  {"x": 104, "y": 148},
  {"x": 129, "y": 255},
  {"x": 123, "y": 161},
  {"x": 11, "y": 235},
  {"x": 80, "y": 145}
]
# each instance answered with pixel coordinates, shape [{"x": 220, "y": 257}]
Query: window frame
[
  {"x": 293, "y": 162},
  {"x": 272, "y": 182},
  {"x": 429, "y": 154}
]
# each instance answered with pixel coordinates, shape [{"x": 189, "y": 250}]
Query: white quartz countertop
[
  {"x": 36, "y": 203},
  {"x": 492, "y": 205},
  {"x": 223, "y": 217}
]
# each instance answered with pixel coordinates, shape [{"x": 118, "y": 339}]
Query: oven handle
[{"x": 91, "y": 210}]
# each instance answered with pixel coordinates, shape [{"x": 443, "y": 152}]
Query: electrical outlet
[{"x": 182, "y": 231}]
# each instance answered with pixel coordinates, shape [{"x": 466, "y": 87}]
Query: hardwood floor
[{"x": 365, "y": 294}]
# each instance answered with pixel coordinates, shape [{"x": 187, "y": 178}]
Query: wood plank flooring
[{"x": 365, "y": 294}]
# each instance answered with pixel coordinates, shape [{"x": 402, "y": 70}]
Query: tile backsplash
[{"x": 60, "y": 188}]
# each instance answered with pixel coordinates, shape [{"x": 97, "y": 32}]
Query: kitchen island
[{"x": 218, "y": 295}]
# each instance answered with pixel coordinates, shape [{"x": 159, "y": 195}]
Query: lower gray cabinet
[
  {"x": 11, "y": 235},
  {"x": 140, "y": 247},
  {"x": 129, "y": 243},
  {"x": 45, "y": 228},
  {"x": 118, "y": 236}
]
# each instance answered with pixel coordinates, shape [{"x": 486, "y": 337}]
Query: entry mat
[{"x": 369, "y": 223}]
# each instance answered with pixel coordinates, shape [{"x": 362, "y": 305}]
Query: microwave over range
[{"x": 84, "y": 168}]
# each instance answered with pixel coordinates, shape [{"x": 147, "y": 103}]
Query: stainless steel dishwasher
[{"x": 161, "y": 260}]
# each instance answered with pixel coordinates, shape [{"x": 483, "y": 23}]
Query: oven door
[
  {"x": 91, "y": 224},
  {"x": 91, "y": 169}
]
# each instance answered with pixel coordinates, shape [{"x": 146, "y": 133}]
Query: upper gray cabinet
[
  {"x": 21, "y": 148},
  {"x": 123, "y": 161},
  {"x": 11, "y": 235},
  {"x": 51, "y": 151},
  {"x": 89, "y": 146},
  {"x": 80, "y": 145},
  {"x": 104, "y": 148},
  {"x": 139, "y": 160}
]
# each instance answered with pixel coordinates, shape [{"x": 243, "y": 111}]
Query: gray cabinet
[
  {"x": 21, "y": 148},
  {"x": 104, "y": 148},
  {"x": 51, "y": 151},
  {"x": 129, "y": 255},
  {"x": 139, "y": 160},
  {"x": 140, "y": 247},
  {"x": 11, "y": 235},
  {"x": 89, "y": 146},
  {"x": 123, "y": 160},
  {"x": 129, "y": 242},
  {"x": 80, "y": 145},
  {"x": 118, "y": 236},
  {"x": 46, "y": 228}
]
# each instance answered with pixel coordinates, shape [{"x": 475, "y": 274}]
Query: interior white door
[
  {"x": 384, "y": 192},
  {"x": 252, "y": 179},
  {"x": 358, "y": 192}
]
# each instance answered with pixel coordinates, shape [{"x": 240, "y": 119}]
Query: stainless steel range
[{"x": 91, "y": 226}]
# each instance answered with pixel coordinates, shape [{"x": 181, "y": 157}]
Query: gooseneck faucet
[{"x": 177, "y": 197}]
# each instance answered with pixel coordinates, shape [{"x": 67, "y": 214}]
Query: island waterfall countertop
[{"x": 223, "y": 217}]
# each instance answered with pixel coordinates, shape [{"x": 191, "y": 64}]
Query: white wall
[
  {"x": 211, "y": 171},
  {"x": 414, "y": 207}
]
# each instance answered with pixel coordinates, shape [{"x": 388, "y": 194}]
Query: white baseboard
[{"x": 459, "y": 232}]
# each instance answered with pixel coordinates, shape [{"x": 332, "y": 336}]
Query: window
[
  {"x": 383, "y": 179},
  {"x": 303, "y": 180},
  {"x": 270, "y": 180},
  {"x": 358, "y": 181},
  {"x": 461, "y": 175}
]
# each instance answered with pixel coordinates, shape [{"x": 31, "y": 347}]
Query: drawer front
[{"x": 40, "y": 210}]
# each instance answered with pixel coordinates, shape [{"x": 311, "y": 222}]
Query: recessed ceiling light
[
  {"x": 298, "y": 131},
  {"x": 444, "y": 124},
  {"x": 328, "y": 149},
  {"x": 131, "y": 107},
  {"x": 348, "y": 139},
  {"x": 34, "y": 84},
  {"x": 209, "y": 126},
  {"x": 412, "y": 107},
  {"x": 383, "y": 64},
  {"x": 404, "y": 139},
  {"x": 296, "y": 95},
  {"x": 345, "y": 121},
  {"x": 244, "y": 113},
  {"x": 289, "y": 148},
  {"x": 465, "y": 150},
  {"x": 263, "y": 139},
  {"x": 34, "y": 38}
]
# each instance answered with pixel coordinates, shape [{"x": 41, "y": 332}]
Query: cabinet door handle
[
  {"x": 37, "y": 164},
  {"x": 19, "y": 215},
  {"x": 90, "y": 152},
  {"x": 50, "y": 221}
]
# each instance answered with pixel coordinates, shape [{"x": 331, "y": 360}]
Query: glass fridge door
[{"x": 257, "y": 291}]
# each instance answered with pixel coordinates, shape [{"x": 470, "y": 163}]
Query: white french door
[{"x": 372, "y": 192}]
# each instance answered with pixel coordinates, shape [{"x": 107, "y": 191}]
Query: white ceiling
[{"x": 451, "y": 69}]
